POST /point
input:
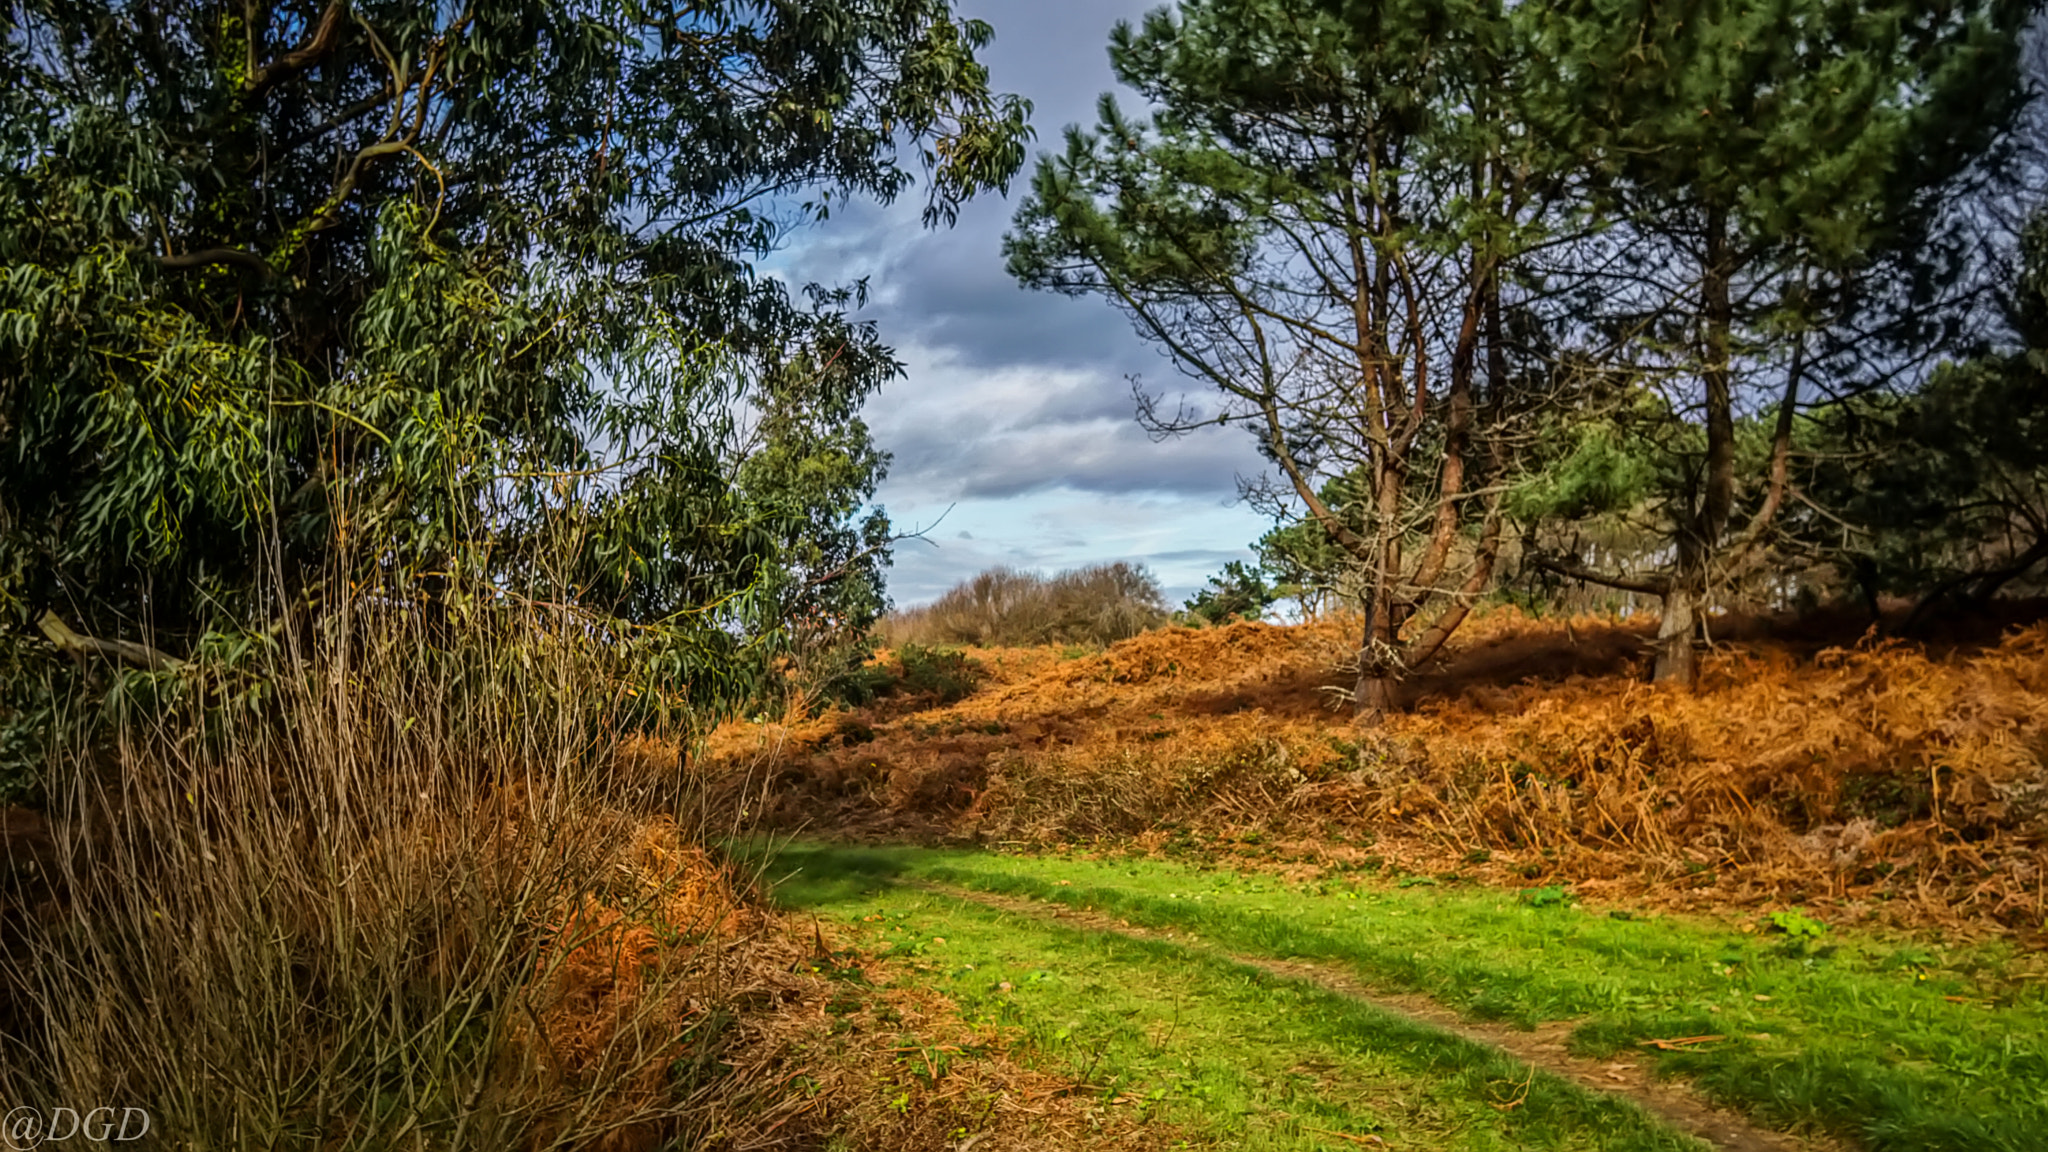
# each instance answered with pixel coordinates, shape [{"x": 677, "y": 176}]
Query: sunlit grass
[
  {"x": 1900, "y": 1045},
  {"x": 1219, "y": 1049}
]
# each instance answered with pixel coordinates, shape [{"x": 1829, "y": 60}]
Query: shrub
[
  {"x": 1239, "y": 592},
  {"x": 1099, "y": 604}
]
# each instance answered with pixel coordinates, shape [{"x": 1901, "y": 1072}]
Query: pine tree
[{"x": 1752, "y": 159}]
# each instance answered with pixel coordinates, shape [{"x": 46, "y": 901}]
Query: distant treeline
[{"x": 1094, "y": 605}]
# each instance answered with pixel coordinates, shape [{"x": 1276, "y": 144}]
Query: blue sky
[{"x": 1017, "y": 410}]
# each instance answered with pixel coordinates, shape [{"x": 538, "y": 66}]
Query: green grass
[
  {"x": 1225, "y": 1052},
  {"x": 1852, "y": 1036}
]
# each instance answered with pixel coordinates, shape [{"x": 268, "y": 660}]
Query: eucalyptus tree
[
  {"x": 1318, "y": 223},
  {"x": 1757, "y": 162},
  {"x": 286, "y": 282}
]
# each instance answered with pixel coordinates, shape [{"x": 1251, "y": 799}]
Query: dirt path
[{"x": 1544, "y": 1048}]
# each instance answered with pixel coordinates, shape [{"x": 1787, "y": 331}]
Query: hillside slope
[{"x": 1902, "y": 783}]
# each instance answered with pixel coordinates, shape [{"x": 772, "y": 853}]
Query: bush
[{"x": 1100, "y": 604}]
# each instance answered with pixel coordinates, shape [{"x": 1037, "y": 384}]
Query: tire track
[{"x": 1544, "y": 1049}]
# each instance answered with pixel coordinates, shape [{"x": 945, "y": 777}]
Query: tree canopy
[
  {"x": 1474, "y": 271},
  {"x": 1318, "y": 223},
  {"x": 304, "y": 296}
]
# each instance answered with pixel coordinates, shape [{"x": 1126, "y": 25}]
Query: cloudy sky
[{"x": 1016, "y": 411}]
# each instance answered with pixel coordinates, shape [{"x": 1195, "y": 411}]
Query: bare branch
[
  {"x": 1647, "y": 585},
  {"x": 207, "y": 257},
  {"x": 846, "y": 567}
]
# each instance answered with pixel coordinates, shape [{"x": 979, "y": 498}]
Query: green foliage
[
  {"x": 1239, "y": 592},
  {"x": 1306, "y": 561},
  {"x": 944, "y": 674},
  {"x": 1317, "y": 223},
  {"x": 1824, "y": 126},
  {"x": 1598, "y": 471},
  {"x": 1946, "y": 487},
  {"x": 1797, "y": 924},
  {"x": 303, "y": 299},
  {"x": 1764, "y": 173}
]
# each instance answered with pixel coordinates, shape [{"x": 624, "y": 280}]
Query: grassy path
[{"x": 1893, "y": 1047}]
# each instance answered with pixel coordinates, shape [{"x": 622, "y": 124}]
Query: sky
[{"x": 1016, "y": 411}]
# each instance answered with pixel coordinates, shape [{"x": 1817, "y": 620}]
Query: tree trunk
[
  {"x": 1676, "y": 660},
  {"x": 1378, "y": 667},
  {"x": 1373, "y": 696},
  {"x": 1704, "y": 520}
]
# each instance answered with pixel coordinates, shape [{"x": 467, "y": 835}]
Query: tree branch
[
  {"x": 1647, "y": 585},
  {"x": 326, "y": 37},
  {"x": 207, "y": 257},
  {"x": 845, "y": 567}
]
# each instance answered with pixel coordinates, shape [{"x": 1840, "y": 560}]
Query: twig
[
  {"x": 1677, "y": 1043},
  {"x": 1366, "y": 1141}
]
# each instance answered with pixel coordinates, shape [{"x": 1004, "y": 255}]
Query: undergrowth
[
  {"x": 1888, "y": 781},
  {"x": 404, "y": 894}
]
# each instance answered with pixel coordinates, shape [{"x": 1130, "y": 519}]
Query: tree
[
  {"x": 1239, "y": 592},
  {"x": 1942, "y": 492},
  {"x": 1755, "y": 160},
  {"x": 292, "y": 285},
  {"x": 1317, "y": 224}
]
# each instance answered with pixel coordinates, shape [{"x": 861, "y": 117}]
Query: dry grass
[
  {"x": 410, "y": 901},
  {"x": 423, "y": 898},
  {"x": 1099, "y": 604},
  {"x": 1901, "y": 782}
]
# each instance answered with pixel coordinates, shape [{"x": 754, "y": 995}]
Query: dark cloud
[
  {"x": 948, "y": 288},
  {"x": 960, "y": 433},
  {"x": 1016, "y": 405}
]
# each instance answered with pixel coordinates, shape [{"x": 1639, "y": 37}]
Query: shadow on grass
[{"x": 821, "y": 877}]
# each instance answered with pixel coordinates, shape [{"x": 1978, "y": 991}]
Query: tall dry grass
[
  {"x": 1099, "y": 604},
  {"x": 406, "y": 894}
]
